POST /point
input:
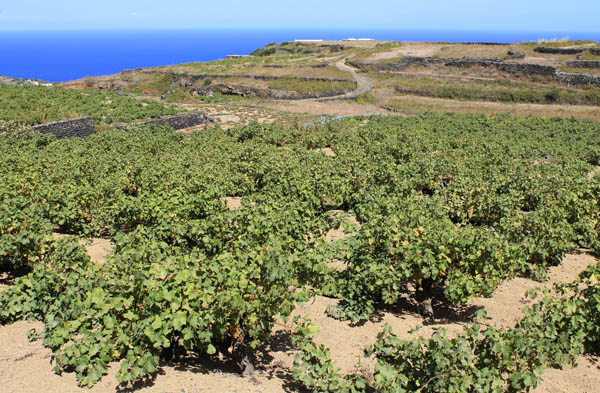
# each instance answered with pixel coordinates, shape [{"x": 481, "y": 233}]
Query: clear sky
[{"x": 519, "y": 15}]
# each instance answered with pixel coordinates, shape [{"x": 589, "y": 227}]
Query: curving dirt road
[{"x": 364, "y": 83}]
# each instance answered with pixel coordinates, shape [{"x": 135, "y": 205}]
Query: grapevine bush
[
  {"x": 561, "y": 326},
  {"x": 447, "y": 204},
  {"x": 31, "y": 105}
]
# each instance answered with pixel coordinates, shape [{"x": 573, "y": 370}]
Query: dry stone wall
[
  {"x": 187, "y": 80},
  {"x": 510, "y": 67},
  {"x": 559, "y": 51},
  {"x": 578, "y": 79},
  {"x": 524, "y": 68},
  {"x": 182, "y": 121},
  {"x": 178, "y": 122},
  {"x": 84, "y": 126},
  {"x": 79, "y": 127},
  {"x": 247, "y": 91},
  {"x": 584, "y": 64}
]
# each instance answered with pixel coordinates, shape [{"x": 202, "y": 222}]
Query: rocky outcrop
[
  {"x": 79, "y": 127},
  {"x": 584, "y": 64},
  {"x": 559, "y": 51}
]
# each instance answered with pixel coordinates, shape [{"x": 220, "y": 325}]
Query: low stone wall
[
  {"x": 320, "y": 65},
  {"x": 499, "y": 63},
  {"x": 513, "y": 68},
  {"x": 195, "y": 77},
  {"x": 584, "y": 64},
  {"x": 400, "y": 65},
  {"x": 181, "y": 121},
  {"x": 246, "y": 91},
  {"x": 486, "y": 43},
  {"x": 526, "y": 69},
  {"x": 559, "y": 51},
  {"x": 79, "y": 127},
  {"x": 578, "y": 79},
  {"x": 187, "y": 80}
]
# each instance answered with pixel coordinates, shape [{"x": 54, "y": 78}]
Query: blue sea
[{"x": 66, "y": 55}]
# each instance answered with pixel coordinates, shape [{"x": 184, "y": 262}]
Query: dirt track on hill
[{"x": 363, "y": 82}]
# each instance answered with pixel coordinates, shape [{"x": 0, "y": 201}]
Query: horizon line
[{"x": 345, "y": 29}]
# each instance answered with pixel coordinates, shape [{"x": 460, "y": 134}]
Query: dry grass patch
[{"x": 411, "y": 105}]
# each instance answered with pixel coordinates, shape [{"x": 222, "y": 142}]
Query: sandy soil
[
  {"x": 228, "y": 116},
  {"x": 585, "y": 378},
  {"x": 98, "y": 249},
  {"x": 326, "y": 150},
  {"x": 506, "y": 305},
  {"x": 594, "y": 172},
  {"x": 233, "y": 203},
  {"x": 332, "y": 108}
]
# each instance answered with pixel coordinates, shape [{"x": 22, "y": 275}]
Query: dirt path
[{"x": 363, "y": 82}]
